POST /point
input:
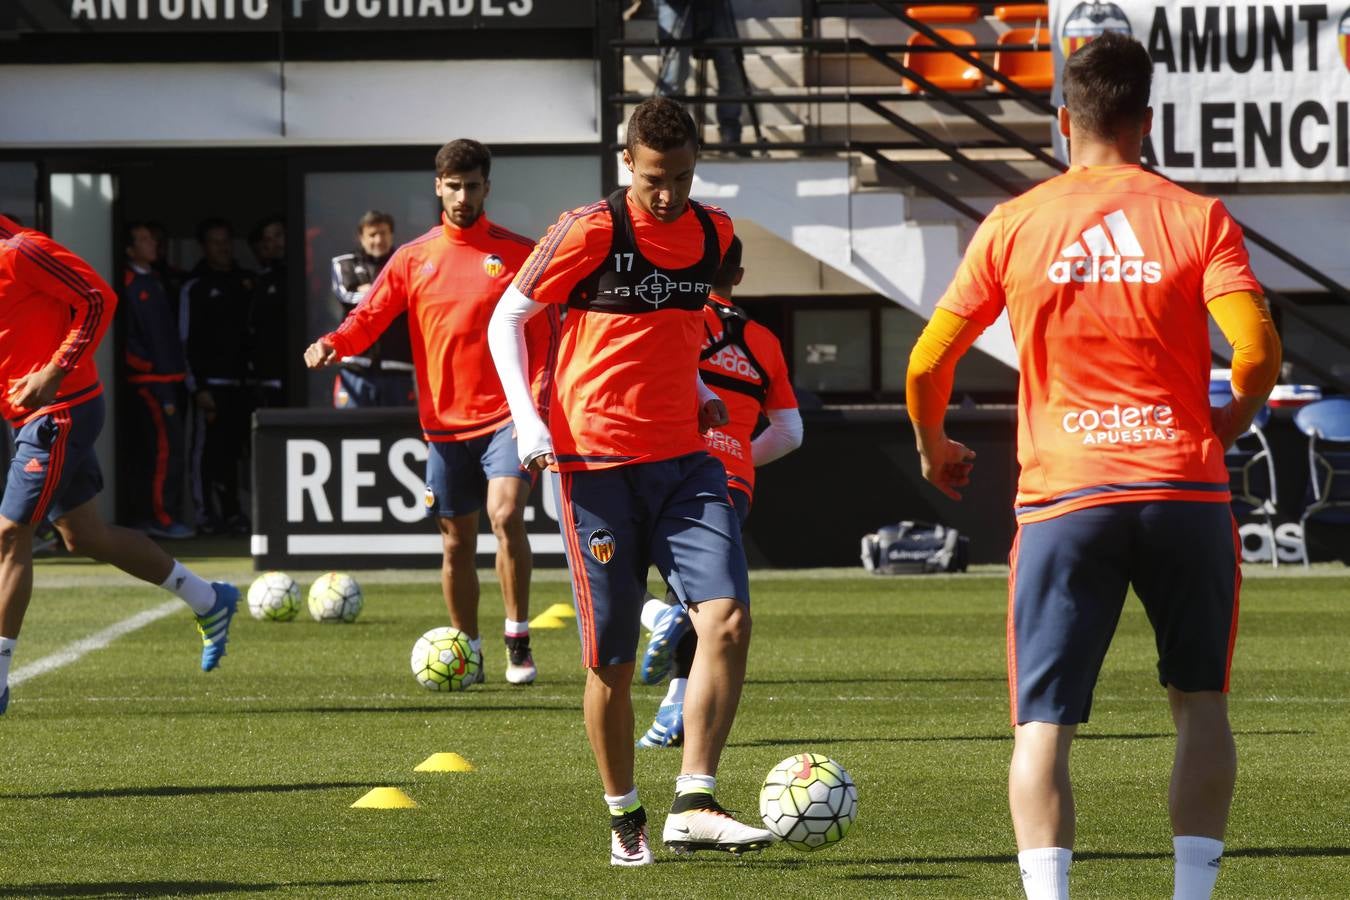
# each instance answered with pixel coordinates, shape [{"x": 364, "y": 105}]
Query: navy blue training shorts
[
  {"x": 458, "y": 472},
  {"x": 54, "y": 468},
  {"x": 616, "y": 523},
  {"x": 1069, "y": 579}
]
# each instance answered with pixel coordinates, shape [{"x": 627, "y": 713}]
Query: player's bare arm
[
  {"x": 37, "y": 389},
  {"x": 945, "y": 463}
]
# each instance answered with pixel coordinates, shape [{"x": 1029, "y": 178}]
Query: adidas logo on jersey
[
  {"x": 732, "y": 360},
  {"x": 1110, "y": 253}
]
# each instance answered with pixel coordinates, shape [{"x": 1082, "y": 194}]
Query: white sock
[
  {"x": 623, "y": 803},
  {"x": 676, "y": 692},
  {"x": 1197, "y": 866},
  {"x": 650, "y": 610},
  {"x": 517, "y": 629},
  {"x": 476, "y": 645},
  {"x": 6, "y": 654},
  {"x": 195, "y": 590},
  {"x": 692, "y": 784},
  {"x": 1045, "y": 872}
]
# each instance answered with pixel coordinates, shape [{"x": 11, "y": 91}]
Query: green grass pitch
[{"x": 131, "y": 774}]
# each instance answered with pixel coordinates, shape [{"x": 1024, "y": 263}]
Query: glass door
[{"x": 82, "y": 220}]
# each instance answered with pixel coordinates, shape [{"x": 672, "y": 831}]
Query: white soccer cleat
[
  {"x": 628, "y": 844},
  {"x": 697, "y": 822},
  {"x": 520, "y": 661}
]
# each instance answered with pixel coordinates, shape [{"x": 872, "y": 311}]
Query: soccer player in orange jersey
[
  {"x": 448, "y": 282},
  {"x": 742, "y": 361},
  {"x": 54, "y": 311},
  {"x": 638, "y": 486},
  {"x": 1107, "y": 273}
]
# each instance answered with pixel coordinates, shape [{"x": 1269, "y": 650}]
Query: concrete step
[
  {"x": 835, "y": 121},
  {"x": 756, "y": 28},
  {"x": 893, "y": 31},
  {"x": 775, "y": 127},
  {"x": 1020, "y": 169},
  {"x": 764, "y": 71}
]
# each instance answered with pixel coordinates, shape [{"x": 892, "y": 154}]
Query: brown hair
[
  {"x": 373, "y": 218},
  {"x": 461, "y": 156},
  {"x": 1106, "y": 84},
  {"x": 661, "y": 124}
]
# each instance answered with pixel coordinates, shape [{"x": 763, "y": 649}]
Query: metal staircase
[{"x": 826, "y": 86}]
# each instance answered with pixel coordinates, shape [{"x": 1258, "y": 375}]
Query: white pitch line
[{"x": 96, "y": 641}]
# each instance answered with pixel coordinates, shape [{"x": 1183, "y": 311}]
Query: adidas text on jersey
[{"x": 1095, "y": 259}]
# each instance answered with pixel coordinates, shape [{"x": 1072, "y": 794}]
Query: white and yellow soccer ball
[
  {"x": 335, "y": 597},
  {"x": 442, "y": 659},
  {"x": 808, "y": 801},
  {"x": 274, "y": 596}
]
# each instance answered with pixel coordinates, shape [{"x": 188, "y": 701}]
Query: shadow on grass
[
  {"x": 116, "y": 889},
  {"x": 992, "y": 738},
  {"x": 998, "y": 679},
  {"x": 450, "y": 706},
  {"x": 817, "y": 861},
  {"x": 170, "y": 790}
]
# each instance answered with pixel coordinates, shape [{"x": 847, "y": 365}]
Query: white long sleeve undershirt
[
  {"x": 781, "y": 437},
  {"x": 510, "y": 354}
]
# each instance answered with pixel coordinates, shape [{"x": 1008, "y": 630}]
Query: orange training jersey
[
  {"x": 626, "y": 386},
  {"x": 1106, "y": 273},
  {"x": 54, "y": 308},
  {"x": 449, "y": 281},
  {"x": 743, "y": 363}
]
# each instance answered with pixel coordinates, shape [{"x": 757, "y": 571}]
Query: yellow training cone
[
  {"x": 444, "y": 762},
  {"x": 546, "y": 621},
  {"x": 385, "y": 798},
  {"x": 561, "y": 611}
]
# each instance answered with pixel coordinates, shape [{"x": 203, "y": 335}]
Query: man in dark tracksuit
[
  {"x": 214, "y": 315},
  {"x": 383, "y": 375},
  {"x": 155, "y": 372},
  {"x": 269, "y": 320}
]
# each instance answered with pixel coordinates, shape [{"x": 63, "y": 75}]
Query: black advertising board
[
  {"x": 345, "y": 489},
  {"x": 130, "y": 16}
]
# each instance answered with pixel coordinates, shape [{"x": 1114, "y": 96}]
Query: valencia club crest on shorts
[
  {"x": 602, "y": 545},
  {"x": 493, "y": 265}
]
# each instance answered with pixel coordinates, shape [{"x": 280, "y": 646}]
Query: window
[
  {"x": 832, "y": 350},
  {"x": 528, "y": 194}
]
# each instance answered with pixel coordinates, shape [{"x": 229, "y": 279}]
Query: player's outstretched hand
[
  {"x": 947, "y": 465},
  {"x": 712, "y": 414},
  {"x": 320, "y": 354}
]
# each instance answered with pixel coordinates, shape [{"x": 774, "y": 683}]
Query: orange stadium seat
[
  {"x": 954, "y": 13},
  {"x": 1022, "y": 12},
  {"x": 1032, "y": 69},
  {"x": 945, "y": 70}
]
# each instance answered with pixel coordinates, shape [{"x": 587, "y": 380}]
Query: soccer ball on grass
[
  {"x": 335, "y": 597},
  {"x": 274, "y": 596},
  {"x": 443, "y": 658},
  {"x": 808, "y": 801}
]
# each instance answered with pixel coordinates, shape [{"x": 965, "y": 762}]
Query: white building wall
[
  {"x": 316, "y": 103},
  {"x": 864, "y": 235}
]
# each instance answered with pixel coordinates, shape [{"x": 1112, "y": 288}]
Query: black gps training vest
[
  {"x": 734, "y": 320},
  {"x": 627, "y": 282}
]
